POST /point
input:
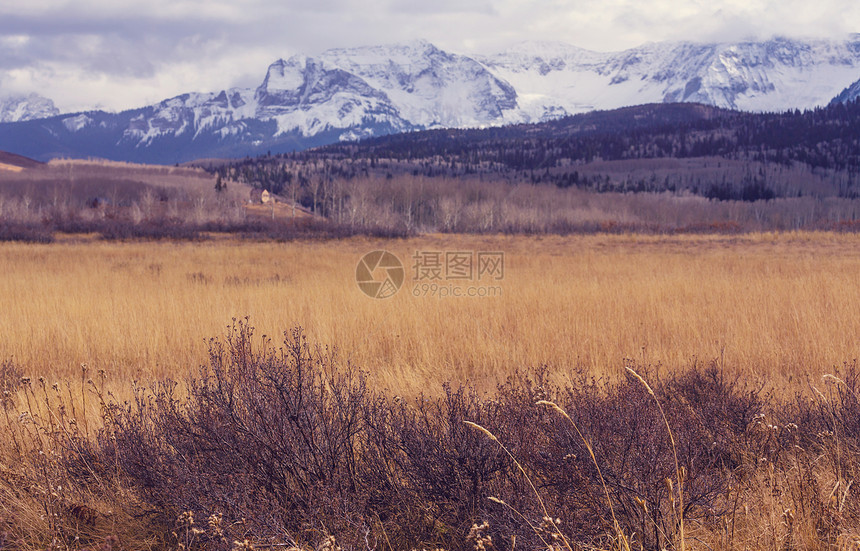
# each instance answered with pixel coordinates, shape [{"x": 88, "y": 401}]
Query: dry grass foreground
[
  {"x": 275, "y": 449},
  {"x": 772, "y": 305}
]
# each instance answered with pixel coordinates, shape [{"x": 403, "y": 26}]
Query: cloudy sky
[{"x": 116, "y": 54}]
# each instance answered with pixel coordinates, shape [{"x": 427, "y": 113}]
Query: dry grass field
[
  {"x": 739, "y": 442},
  {"x": 772, "y": 305}
]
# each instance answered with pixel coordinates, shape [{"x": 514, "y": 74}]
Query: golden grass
[
  {"x": 773, "y": 305},
  {"x": 10, "y": 168}
]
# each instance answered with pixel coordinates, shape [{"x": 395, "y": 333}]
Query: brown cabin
[{"x": 259, "y": 196}]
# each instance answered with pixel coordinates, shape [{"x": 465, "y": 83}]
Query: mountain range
[
  {"x": 348, "y": 94},
  {"x": 14, "y": 108}
]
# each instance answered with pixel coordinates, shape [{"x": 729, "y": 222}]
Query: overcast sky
[{"x": 116, "y": 54}]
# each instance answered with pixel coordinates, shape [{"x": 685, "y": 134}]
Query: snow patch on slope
[
  {"x": 76, "y": 123},
  {"x": 849, "y": 94}
]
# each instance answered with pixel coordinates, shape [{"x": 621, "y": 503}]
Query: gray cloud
[{"x": 442, "y": 7}]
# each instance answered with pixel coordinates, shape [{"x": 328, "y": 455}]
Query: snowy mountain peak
[
  {"x": 25, "y": 108},
  {"x": 429, "y": 86},
  {"x": 780, "y": 73},
  {"x": 285, "y": 75},
  {"x": 350, "y": 93}
]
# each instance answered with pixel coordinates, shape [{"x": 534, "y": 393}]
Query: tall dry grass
[
  {"x": 771, "y": 305},
  {"x": 290, "y": 448},
  {"x": 691, "y": 459}
]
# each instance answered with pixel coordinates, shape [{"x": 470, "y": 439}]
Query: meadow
[
  {"x": 409, "y": 422},
  {"x": 766, "y": 305}
]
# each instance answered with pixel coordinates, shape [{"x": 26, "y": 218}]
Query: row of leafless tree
[{"x": 402, "y": 203}]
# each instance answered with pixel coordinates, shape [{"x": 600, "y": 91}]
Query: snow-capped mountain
[
  {"x": 354, "y": 93},
  {"x": 345, "y": 94},
  {"x": 310, "y": 96},
  {"x": 25, "y": 108},
  {"x": 430, "y": 87},
  {"x": 552, "y": 79}
]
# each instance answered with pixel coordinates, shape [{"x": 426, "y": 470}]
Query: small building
[{"x": 259, "y": 196}]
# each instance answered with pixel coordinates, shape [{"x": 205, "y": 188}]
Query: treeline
[
  {"x": 821, "y": 144},
  {"x": 117, "y": 202},
  {"x": 653, "y": 168},
  {"x": 827, "y": 138}
]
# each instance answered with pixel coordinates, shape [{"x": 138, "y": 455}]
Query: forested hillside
[
  {"x": 670, "y": 152},
  {"x": 726, "y": 154}
]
